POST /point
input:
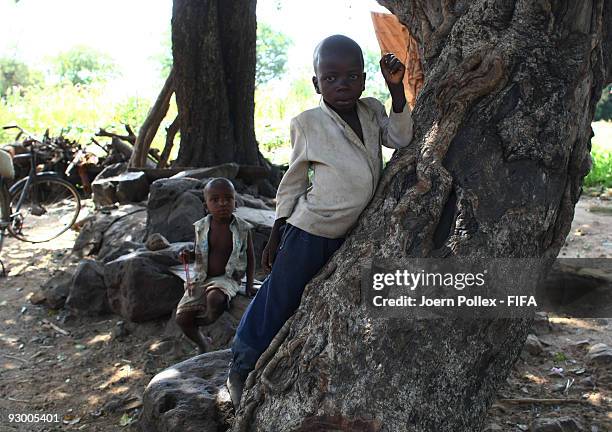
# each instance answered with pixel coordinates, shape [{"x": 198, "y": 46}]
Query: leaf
[{"x": 125, "y": 420}]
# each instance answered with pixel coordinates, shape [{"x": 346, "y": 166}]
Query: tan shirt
[{"x": 345, "y": 171}]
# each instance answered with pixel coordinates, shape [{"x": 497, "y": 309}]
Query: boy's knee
[
  {"x": 184, "y": 319},
  {"x": 216, "y": 300}
]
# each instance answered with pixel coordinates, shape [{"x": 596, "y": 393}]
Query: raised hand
[{"x": 392, "y": 69}]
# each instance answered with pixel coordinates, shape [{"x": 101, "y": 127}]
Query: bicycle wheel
[
  {"x": 49, "y": 208},
  {"x": 5, "y": 211}
]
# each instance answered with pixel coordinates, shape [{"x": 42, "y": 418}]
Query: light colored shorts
[{"x": 197, "y": 301}]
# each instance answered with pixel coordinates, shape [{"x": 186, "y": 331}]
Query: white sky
[{"x": 132, "y": 31}]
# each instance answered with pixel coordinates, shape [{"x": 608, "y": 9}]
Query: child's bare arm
[
  {"x": 269, "y": 252},
  {"x": 397, "y": 126},
  {"x": 250, "y": 270},
  {"x": 393, "y": 71}
]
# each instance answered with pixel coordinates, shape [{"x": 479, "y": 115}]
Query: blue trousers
[{"x": 299, "y": 258}]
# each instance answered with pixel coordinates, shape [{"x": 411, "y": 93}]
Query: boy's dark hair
[
  {"x": 334, "y": 43},
  {"x": 219, "y": 181}
]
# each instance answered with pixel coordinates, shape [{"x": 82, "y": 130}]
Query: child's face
[
  {"x": 340, "y": 80},
  {"x": 220, "y": 201}
]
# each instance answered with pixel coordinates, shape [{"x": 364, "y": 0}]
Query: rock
[
  {"x": 188, "y": 209},
  {"x": 156, "y": 242},
  {"x": 252, "y": 202},
  {"x": 56, "y": 289},
  {"x": 599, "y": 355},
  {"x": 173, "y": 206},
  {"x": 221, "y": 331},
  {"x": 107, "y": 231},
  {"x": 587, "y": 382},
  {"x": 140, "y": 287},
  {"x": 189, "y": 396},
  {"x": 262, "y": 221},
  {"x": 533, "y": 345},
  {"x": 38, "y": 297},
  {"x": 561, "y": 424},
  {"x": 124, "y": 188},
  {"x": 125, "y": 232},
  {"x": 119, "y": 331},
  {"x": 493, "y": 428},
  {"x": 88, "y": 292},
  {"x": 228, "y": 170},
  {"x": 104, "y": 193},
  {"x": 541, "y": 324}
]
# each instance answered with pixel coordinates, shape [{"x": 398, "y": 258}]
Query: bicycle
[{"x": 40, "y": 206}]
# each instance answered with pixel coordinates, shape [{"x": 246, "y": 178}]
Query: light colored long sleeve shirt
[{"x": 345, "y": 170}]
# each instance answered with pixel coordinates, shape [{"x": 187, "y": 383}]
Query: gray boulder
[
  {"x": 262, "y": 221},
  {"x": 228, "y": 170},
  {"x": 55, "y": 291},
  {"x": 599, "y": 355},
  {"x": 561, "y": 424},
  {"x": 173, "y": 206},
  {"x": 88, "y": 292},
  {"x": 113, "y": 185},
  {"x": 107, "y": 233},
  {"x": 189, "y": 396},
  {"x": 140, "y": 286}
]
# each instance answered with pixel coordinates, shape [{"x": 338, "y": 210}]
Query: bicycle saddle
[{"x": 6, "y": 165}]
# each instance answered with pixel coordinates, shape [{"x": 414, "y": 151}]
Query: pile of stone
[{"x": 129, "y": 244}]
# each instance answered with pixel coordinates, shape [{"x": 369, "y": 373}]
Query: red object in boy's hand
[{"x": 184, "y": 257}]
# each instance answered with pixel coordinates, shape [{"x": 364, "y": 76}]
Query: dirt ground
[{"x": 84, "y": 373}]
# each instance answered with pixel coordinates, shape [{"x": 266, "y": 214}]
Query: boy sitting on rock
[
  {"x": 223, "y": 253},
  {"x": 341, "y": 142}
]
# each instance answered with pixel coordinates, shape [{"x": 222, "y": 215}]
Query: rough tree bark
[
  {"x": 149, "y": 127},
  {"x": 213, "y": 46},
  {"x": 502, "y": 124}
]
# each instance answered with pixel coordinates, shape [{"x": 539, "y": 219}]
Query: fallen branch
[
  {"x": 131, "y": 138},
  {"x": 14, "y": 358},
  {"x": 149, "y": 127},
  {"x": 171, "y": 132},
  {"x": 526, "y": 401},
  {"x": 56, "y": 328}
]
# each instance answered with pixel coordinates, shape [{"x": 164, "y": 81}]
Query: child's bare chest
[
  {"x": 220, "y": 246},
  {"x": 352, "y": 120}
]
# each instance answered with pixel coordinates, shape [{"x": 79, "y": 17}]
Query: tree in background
[
  {"x": 603, "y": 111},
  {"x": 14, "y": 73},
  {"x": 83, "y": 65},
  {"x": 213, "y": 49},
  {"x": 271, "y": 52}
]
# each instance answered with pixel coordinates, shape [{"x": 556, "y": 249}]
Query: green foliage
[
  {"x": 164, "y": 56},
  {"x": 601, "y": 172},
  {"x": 271, "y": 50},
  {"x": 274, "y": 108},
  {"x": 83, "y": 65},
  {"x": 559, "y": 357},
  {"x": 77, "y": 111},
  {"x": 375, "y": 83},
  {"x": 603, "y": 110},
  {"x": 15, "y": 74}
]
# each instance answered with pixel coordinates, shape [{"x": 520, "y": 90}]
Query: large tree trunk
[
  {"x": 502, "y": 124},
  {"x": 213, "y": 45}
]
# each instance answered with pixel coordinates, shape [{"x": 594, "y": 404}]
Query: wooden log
[
  {"x": 171, "y": 132},
  {"x": 151, "y": 124}
]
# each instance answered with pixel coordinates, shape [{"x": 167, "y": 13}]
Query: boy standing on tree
[
  {"x": 341, "y": 142},
  {"x": 223, "y": 254}
]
